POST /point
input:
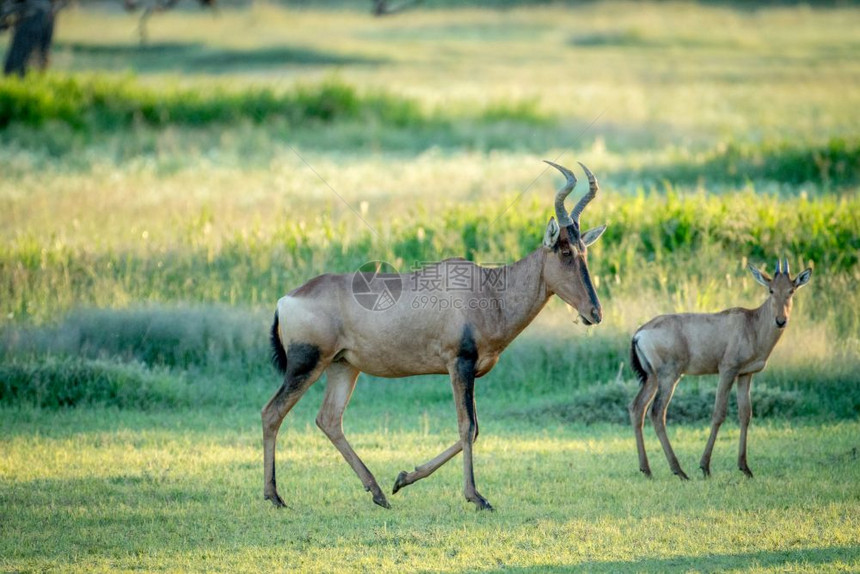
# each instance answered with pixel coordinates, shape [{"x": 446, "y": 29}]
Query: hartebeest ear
[
  {"x": 803, "y": 278},
  {"x": 759, "y": 276},
  {"x": 550, "y": 236},
  {"x": 593, "y": 235}
]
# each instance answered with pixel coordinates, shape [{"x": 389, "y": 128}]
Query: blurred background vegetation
[{"x": 160, "y": 193}]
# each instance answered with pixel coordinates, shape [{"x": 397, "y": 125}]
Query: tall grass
[
  {"x": 684, "y": 251},
  {"x": 137, "y": 210},
  {"x": 63, "y": 382},
  {"x": 106, "y": 103},
  {"x": 698, "y": 235}
]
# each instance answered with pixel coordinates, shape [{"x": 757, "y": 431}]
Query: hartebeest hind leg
[
  {"x": 744, "y": 414},
  {"x": 341, "y": 382},
  {"x": 637, "y": 418},
  {"x": 462, "y": 371},
  {"x": 303, "y": 369},
  {"x": 658, "y": 419},
  {"x": 721, "y": 405}
]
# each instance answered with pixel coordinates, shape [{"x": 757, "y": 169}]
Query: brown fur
[
  {"x": 735, "y": 343},
  {"x": 463, "y": 339}
]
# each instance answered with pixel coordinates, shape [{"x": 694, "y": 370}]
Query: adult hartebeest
[
  {"x": 735, "y": 343},
  {"x": 452, "y": 317}
]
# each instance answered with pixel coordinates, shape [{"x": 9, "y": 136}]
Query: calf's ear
[
  {"x": 759, "y": 276},
  {"x": 803, "y": 278}
]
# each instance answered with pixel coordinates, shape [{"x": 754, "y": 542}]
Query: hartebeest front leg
[
  {"x": 462, "y": 371},
  {"x": 464, "y": 396},
  {"x": 637, "y": 418},
  {"x": 341, "y": 383},
  {"x": 744, "y": 414},
  {"x": 721, "y": 405}
]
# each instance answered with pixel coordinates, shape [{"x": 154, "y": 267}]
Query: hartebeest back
[
  {"x": 735, "y": 343},
  {"x": 459, "y": 329}
]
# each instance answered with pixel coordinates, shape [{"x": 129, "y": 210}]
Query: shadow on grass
[
  {"x": 199, "y": 58},
  {"x": 787, "y": 560},
  {"x": 115, "y": 506},
  {"x": 835, "y": 163},
  {"x": 638, "y": 39}
]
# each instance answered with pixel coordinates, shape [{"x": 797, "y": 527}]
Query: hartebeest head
[
  {"x": 566, "y": 267},
  {"x": 782, "y": 288}
]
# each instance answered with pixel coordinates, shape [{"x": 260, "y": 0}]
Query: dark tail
[
  {"x": 279, "y": 355},
  {"x": 640, "y": 371}
]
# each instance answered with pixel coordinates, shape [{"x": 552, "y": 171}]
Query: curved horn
[
  {"x": 785, "y": 265},
  {"x": 560, "y": 212},
  {"x": 592, "y": 193},
  {"x": 776, "y": 269}
]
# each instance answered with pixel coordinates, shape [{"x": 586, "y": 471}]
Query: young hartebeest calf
[
  {"x": 458, "y": 328},
  {"x": 735, "y": 343}
]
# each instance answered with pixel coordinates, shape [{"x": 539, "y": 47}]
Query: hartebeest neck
[
  {"x": 525, "y": 294},
  {"x": 767, "y": 333}
]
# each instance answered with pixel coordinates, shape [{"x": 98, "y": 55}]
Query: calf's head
[{"x": 781, "y": 288}]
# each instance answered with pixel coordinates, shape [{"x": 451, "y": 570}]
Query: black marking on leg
[
  {"x": 467, "y": 357},
  {"x": 468, "y": 348},
  {"x": 302, "y": 358},
  {"x": 467, "y": 360}
]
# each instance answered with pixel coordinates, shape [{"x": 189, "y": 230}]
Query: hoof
[
  {"x": 646, "y": 472},
  {"x": 380, "y": 500},
  {"x": 481, "y": 503},
  {"x": 399, "y": 482},
  {"x": 680, "y": 474},
  {"x": 747, "y": 472},
  {"x": 706, "y": 472},
  {"x": 276, "y": 500}
]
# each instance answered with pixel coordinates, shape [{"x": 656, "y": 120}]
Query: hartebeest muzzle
[{"x": 596, "y": 316}]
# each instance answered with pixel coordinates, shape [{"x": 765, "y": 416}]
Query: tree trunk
[{"x": 32, "y": 37}]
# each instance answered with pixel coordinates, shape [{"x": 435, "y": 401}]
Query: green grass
[
  {"x": 105, "y": 491},
  {"x": 205, "y": 259},
  {"x": 97, "y": 103},
  {"x": 156, "y": 201}
]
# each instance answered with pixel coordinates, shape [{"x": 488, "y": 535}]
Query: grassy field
[
  {"x": 156, "y": 200},
  {"x": 112, "y": 491}
]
